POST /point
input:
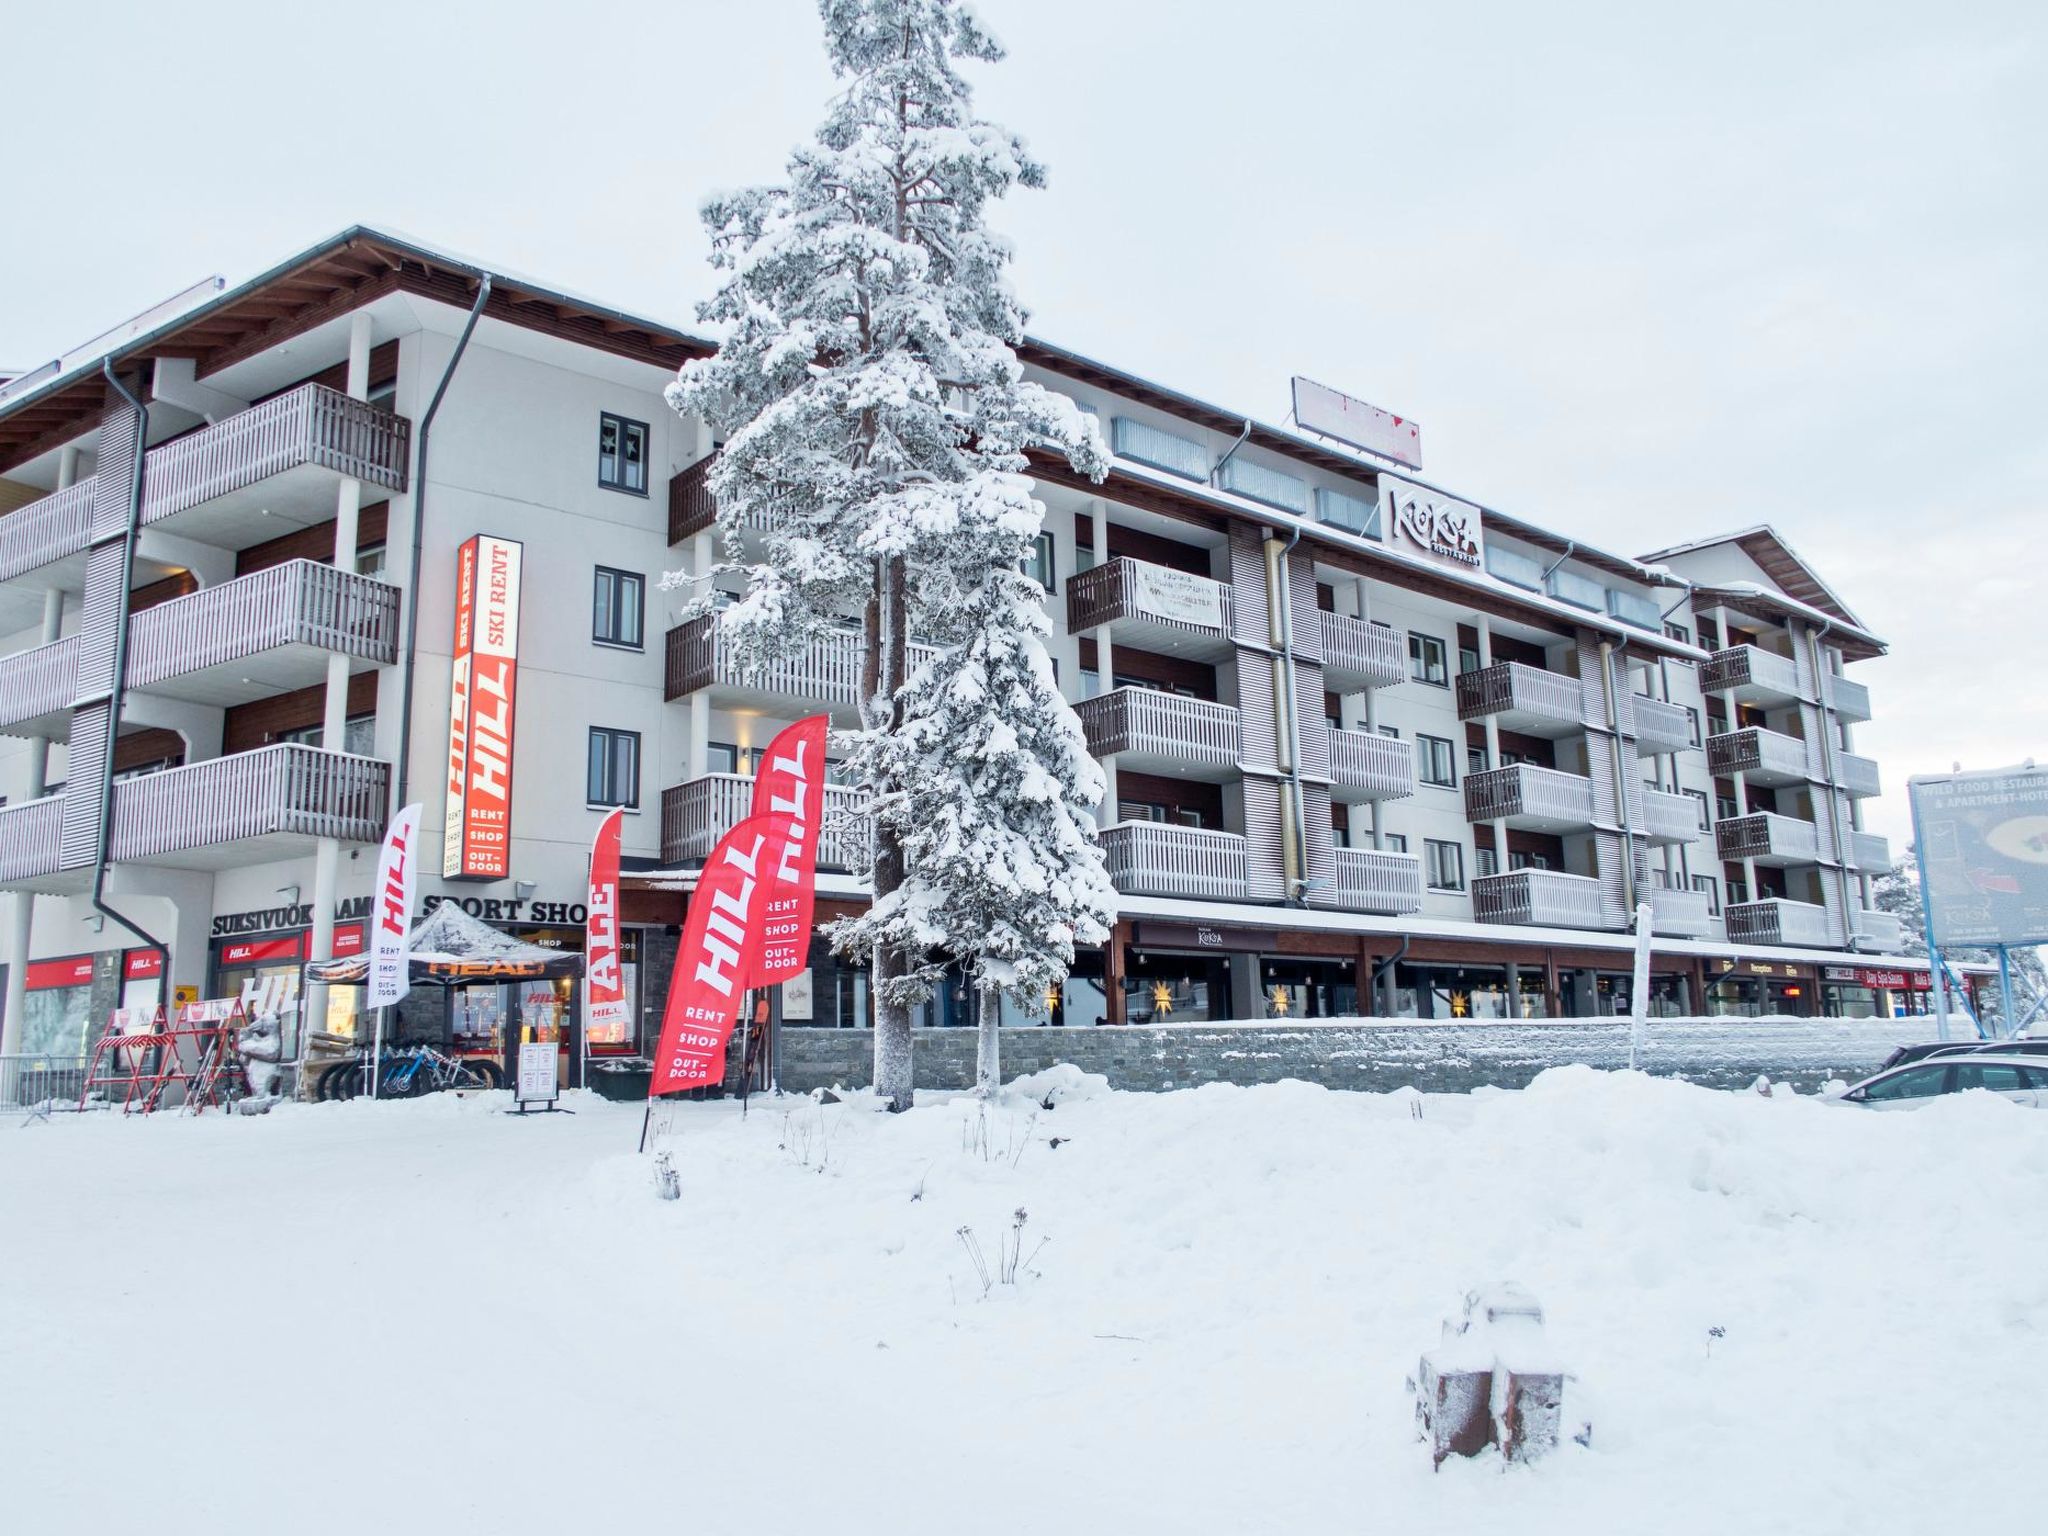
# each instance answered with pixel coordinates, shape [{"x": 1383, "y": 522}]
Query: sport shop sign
[
  {"x": 1439, "y": 527},
  {"x": 477, "y": 844}
]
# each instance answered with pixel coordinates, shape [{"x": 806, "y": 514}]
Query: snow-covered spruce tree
[
  {"x": 868, "y": 391},
  {"x": 1004, "y": 873}
]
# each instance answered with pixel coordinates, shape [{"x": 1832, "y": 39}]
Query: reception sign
[{"x": 477, "y": 840}]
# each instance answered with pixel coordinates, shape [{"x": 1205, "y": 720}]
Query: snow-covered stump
[{"x": 1492, "y": 1381}]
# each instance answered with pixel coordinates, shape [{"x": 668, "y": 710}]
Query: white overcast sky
[{"x": 1642, "y": 272}]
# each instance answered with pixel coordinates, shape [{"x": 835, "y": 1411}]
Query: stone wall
[{"x": 1376, "y": 1055}]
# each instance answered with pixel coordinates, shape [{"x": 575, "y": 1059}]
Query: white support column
[
  {"x": 1105, "y": 666},
  {"x": 1361, "y": 598},
  {"x": 20, "y": 929},
  {"x": 697, "y": 759},
  {"x": 1492, "y": 728}
]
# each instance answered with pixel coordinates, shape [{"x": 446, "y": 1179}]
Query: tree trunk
[
  {"x": 893, "y": 1068},
  {"x": 988, "y": 1049}
]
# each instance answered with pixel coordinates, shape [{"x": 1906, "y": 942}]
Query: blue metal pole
[
  {"x": 2006, "y": 1016},
  {"x": 1934, "y": 965}
]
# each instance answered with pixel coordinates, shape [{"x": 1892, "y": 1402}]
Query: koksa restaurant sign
[
  {"x": 477, "y": 844},
  {"x": 1441, "y": 527}
]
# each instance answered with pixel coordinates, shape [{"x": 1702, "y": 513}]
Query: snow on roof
[
  {"x": 450, "y": 934},
  {"x": 1772, "y": 551}
]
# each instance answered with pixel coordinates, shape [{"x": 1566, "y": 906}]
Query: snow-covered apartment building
[{"x": 1371, "y": 748}]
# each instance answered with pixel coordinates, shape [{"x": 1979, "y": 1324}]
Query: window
[
  {"x": 1426, "y": 660},
  {"x": 1679, "y": 633},
  {"x": 615, "y": 608},
  {"x": 1514, "y": 567},
  {"x": 1485, "y": 862},
  {"x": 1038, "y": 565},
  {"x": 1397, "y": 842},
  {"x": 1444, "y": 864},
  {"x": 1699, "y": 797},
  {"x": 1692, "y": 724},
  {"x": 1468, "y": 659},
  {"x": 1393, "y": 731},
  {"x": 1258, "y": 483},
  {"x": 1738, "y": 892},
  {"x": 614, "y": 768},
  {"x": 724, "y": 757},
  {"x": 1708, "y": 886},
  {"x": 370, "y": 561},
  {"x": 1727, "y": 807},
  {"x": 1353, "y": 513},
  {"x": 144, "y": 770},
  {"x": 1579, "y": 590},
  {"x": 1913, "y": 1083},
  {"x": 1996, "y": 1076},
  {"x": 1519, "y": 860},
  {"x": 1475, "y": 759},
  {"x": 1710, "y": 635},
  {"x": 1169, "y": 451},
  {"x": 358, "y": 735},
  {"x": 1435, "y": 761},
  {"x": 621, "y": 454}
]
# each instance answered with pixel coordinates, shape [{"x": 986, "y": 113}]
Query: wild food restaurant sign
[
  {"x": 1438, "y": 527},
  {"x": 477, "y": 842}
]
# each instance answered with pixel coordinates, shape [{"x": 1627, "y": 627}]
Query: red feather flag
[{"x": 790, "y": 784}]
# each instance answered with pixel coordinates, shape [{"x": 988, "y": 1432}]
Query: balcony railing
[
  {"x": 691, "y": 509},
  {"x": 1146, "y": 858},
  {"x": 1538, "y": 898},
  {"x": 1669, "y": 818},
  {"x": 1879, "y": 930},
  {"x": 1857, "y": 775},
  {"x": 1851, "y": 701},
  {"x": 1778, "y": 921},
  {"x": 1661, "y": 728},
  {"x": 45, "y": 531},
  {"x": 1358, "y": 654},
  {"x": 826, "y": 671},
  {"x": 1365, "y": 765},
  {"x": 1768, "y": 839},
  {"x": 1534, "y": 799},
  {"x": 29, "y": 839},
  {"x": 1169, "y": 609},
  {"x": 297, "y": 603},
  {"x": 1366, "y": 880},
  {"x": 1680, "y": 914},
  {"x": 1870, "y": 853},
  {"x": 1163, "y": 731},
  {"x": 301, "y": 792},
  {"x": 1523, "y": 698},
  {"x": 697, "y": 813},
  {"x": 1753, "y": 675},
  {"x": 1768, "y": 757},
  {"x": 308, "y": 425},
  {"x": 37, "y": 689}
]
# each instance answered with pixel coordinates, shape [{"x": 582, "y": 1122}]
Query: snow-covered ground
[{"x": 437, "y": 1317}]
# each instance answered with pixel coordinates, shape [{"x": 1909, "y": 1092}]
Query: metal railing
[
  {"x": 1848, "y": 699},
  {"x": 1680, "y": 914},
  {"x": 1144, "y": 720},
  {"x": 1669, "y": 818},
  {"x": 1857, "y": 775},
  {"x": 30, "y": 839},
  {"x": 1108, "y": 592},
  {"x": 1539, "y": 898},
  {"x": 1661, "y": 727},
  {"x": 1527, "y": 791},
  {"x": 1778, "y": 921},
  {"x": 308, "y": 425},
  {"x": 28, "y": 1082},
  {"x": 826, "y": 671},
  {"x": 1767, "y": 835},
  {"x": 1870, "y": 852},
  {"x": 1757, "y": 750},
  {"x": 1150, "y": 859},
  {"x": 297, "y": 603},
  {"x": 1512, "y": 687},
  {"x": 45, "y": 530},
  {"x": 1359, "y": 654},
  {"x": 1367, "y": 880},
  {"x": 1883, "y": 930},
  {"x": 39, "y": 682},
  {"x": 698, "y": 812},
  {"x": 1742, "y": 668},
  {"x": 296, "y": 790},
  {"x": 1382, "y": 766}
]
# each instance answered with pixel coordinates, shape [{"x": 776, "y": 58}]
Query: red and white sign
[
  {"x": 348, "y": 941},
  {"x": 720, "y": 941},
  {"x": 71, "y": 971},
  {"x": 1318, "y": 408},
  {"x": 264, "y": 951},
  {"x": 607, "y": 1020},
  {"x": 142, "y": 964},
  {"x": 789, "y": 786},
  {"x": 477, "y": 842},
  {"x": 391, "y": 904}
]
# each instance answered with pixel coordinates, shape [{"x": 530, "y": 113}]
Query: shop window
[
  {"x": 622, "y": 454},
  {"x": 614, "y": 776},
  {"x": 1426, "y": 660},
  {"x": 1444, "y": 864},
  {"x": 1436, "y": 761},
  {"x": 616, "y": 605}
]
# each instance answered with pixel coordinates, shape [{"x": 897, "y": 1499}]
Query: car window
[
  {"x": 1996, "y": 1076},
  {"x": 1913, "y": 1083}
]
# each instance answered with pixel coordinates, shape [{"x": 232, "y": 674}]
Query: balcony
[
  {"x": 29, "y": 839},
  {"x": 1767, "y": 838},
  {"x": 1669, "y": 818},
  {"x": 691, "y": 510},
  {"x": 1366, "y": 880},
  {"x": 1850, "y": 701},
  {"x": 1151, "y": 732},
  {"x": 1530, "y": 798},
  {"x": 1754, "y": 676},
  {"x": 1365, "y": 765},
  {"x": 1359, "y": 655},
  {"x": 1146, "y": 858},
  {"x": 1880, "y": 931},
  {"x": 696, "y": 814},
  {"x": 1661, "y": 728},
  {"x": 1680, "y": 914},
  {"x": 37, "y": 688},
  {"x": 827, "y": 671},
  {"x": 1522, "y": 698},
  {"x": 1857, "y": 776},
  {"x": 1870, "y": 853},
  {"x": 1539, "y": 898},
  {"x": 1153, "y": 607},
  {"x": 1778, "y": 921},
  {"x": 45, "y": 532},
  {"x": 1764, "y": 757}
]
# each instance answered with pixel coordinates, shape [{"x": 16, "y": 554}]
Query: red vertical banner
[
  {"x": 483, "y": 678},
  {"x": 721, "y": 938},
  {"x": 789, "y": 786},
  {"x": 607, "y": 1021}
]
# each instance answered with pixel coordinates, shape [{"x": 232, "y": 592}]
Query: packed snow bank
[{"x": 433, "y": 1316}]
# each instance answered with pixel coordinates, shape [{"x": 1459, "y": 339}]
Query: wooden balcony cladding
[
  {"x": 302, "y": 792},
  {"x": 691, "y": 507},
  {"x": 1767, "y": 757},
  {"x": 45, "y": 531},
  {"x": 1162, "y": 732},
  {"x": 827, "y": 671},
  {"x": 697, "y": 813},
  {"x": 1880, "y": 930},
  {"x": 1151, "y": 604},
  {"x": 1523, "y": 698},
  {"x": 1366, "y": 880},
  {"x": 1359, "y": 655},
  {"x": 1768, "y": 838},
  {"x": 308, "y": 425},
  {"x": 1680, "y": 914},
  {"x": 1365, "y": 765},
  {"x": 298, "y": 603},
  {"x": 1753, "y": 675},
  {"x": 1149, "y": 859},
  {"x": 29, "y": 837},
  {"x": 1669, "y": 818},
  {"x": 1538, "y": 898},
  {"x": 37, "y": 688},
  {"x": 1778, "y": 921},
  {"x": 1530, "y": 798},
  {"x": 1661, "y": 728}
]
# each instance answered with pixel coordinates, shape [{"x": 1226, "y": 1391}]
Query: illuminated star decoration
[
  {"x": 1459, "y": 1005},
  {"x": 1162, "y": 997},
  {"x": 1281, "y": 1001},
  {"x": 1052, "y": 998}
]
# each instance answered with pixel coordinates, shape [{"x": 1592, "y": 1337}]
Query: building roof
[{"x": 1776, "y": 558}]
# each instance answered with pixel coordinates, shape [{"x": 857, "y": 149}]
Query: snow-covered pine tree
[
  {"x": 868, "y": 391},
  {"x": 1004, "y": 873}
]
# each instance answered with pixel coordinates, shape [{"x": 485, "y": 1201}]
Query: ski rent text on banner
[
  {"x": 398, "y": 872},
  {"x": 606, "y": 1019},
  {"x": 721, "y": 939},
  {"x": 477, "y": 843},
  {"x": 790, "y": 784}
]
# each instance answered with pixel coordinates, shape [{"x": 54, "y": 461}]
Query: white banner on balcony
[
  {"x": 397, "y": 886},
  {"x": 1164, "y": 593}
]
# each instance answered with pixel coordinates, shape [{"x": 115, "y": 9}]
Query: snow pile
[{"x": 1187, "y": 1312}]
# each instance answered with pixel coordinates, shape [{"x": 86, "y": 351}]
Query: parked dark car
[{"x": 1906, "y": 1053}]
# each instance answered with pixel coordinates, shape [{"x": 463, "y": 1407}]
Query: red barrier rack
[{"x": 141, "y": 1057}]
